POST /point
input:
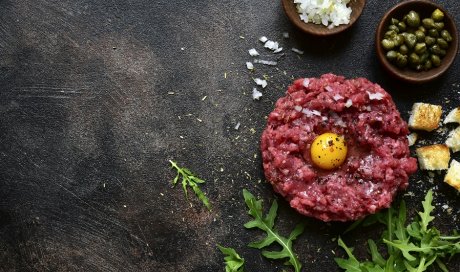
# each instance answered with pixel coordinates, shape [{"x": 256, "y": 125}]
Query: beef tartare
[{"x": 361, "y": 180}]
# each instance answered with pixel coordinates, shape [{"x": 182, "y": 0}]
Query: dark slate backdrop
[{"x": 97, "y": 96}]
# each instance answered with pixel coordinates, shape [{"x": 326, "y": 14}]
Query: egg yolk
[{"x": 328, "y": 151}]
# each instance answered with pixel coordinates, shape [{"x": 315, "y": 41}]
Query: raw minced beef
[{"x": 377, "y": 164}]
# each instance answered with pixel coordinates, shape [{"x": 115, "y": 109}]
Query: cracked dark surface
[{"x": 97, "y": 96}]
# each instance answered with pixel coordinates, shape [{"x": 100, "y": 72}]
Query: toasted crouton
[
  {"x": 425, "y": 116},
  {"x": 453, "y": 175},
  {"x": 454, "y": 140},
  {"x": 433, "y": 157},
  {"x": 453, "y": 116}
]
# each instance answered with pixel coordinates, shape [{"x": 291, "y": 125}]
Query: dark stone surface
[{"x": 89, "y": 122}]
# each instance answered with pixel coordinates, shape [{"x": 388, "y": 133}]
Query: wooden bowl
[
  {"x": 424, "y": 8},
  {"x": 320, "y": 30}
]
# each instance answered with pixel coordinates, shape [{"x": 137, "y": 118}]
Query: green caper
[
  {"x": 410, "y": 40},
  {"x": 413, "y": 19},
  {"x": 394, "y": 28},
  {"x": 424, "y": 57},
  {"x": 442, "y": 43},
  {"x": 435, "y": 60},
  {"x": 433, "y": 33},
  {"x": 402, "y": 26},
  {"x": 439, "y": 26},
  {"x": 430, "y": 40},
  {"x": 428, "y": 65},
  {"x": 388, "y": 44},
  {"x": 401, "y": 60},
  {"x": 403, "y": 49},
  {"x": 446, "y": 35},
  {"x": 422, "y": 28},
  {"x": 428, "y": 23},
  {"x": 398, "y": 40},
  {"x": 420, "y": 48},
  {"x": 437, "y": 50},
  {"x": 414, "y": 59},
  {"x": 419, "y": 35},
  {"x": 437, "y": 15},
  {"x": 394, "y": 21},
  {"x": 390, "y": 34},
  {"x": 391, "y": 55}
]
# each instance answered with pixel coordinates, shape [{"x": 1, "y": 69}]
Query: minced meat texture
[{"x": 377, "y": 164}]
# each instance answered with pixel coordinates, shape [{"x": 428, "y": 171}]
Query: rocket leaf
[
  {"x": 189, "y": 179},
  {"x": 267, "y": 224},
  {"x": 233, "y": 261}
]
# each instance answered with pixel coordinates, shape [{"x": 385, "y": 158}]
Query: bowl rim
[
  {"x": 408, "y": 75},
  {"x": 290, "y": 5}
]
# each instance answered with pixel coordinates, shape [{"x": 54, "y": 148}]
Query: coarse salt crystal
[
  {"x": 253, "y": 52},
  {"x": 237, "y": 126},
  {"x": 260, "y": 82},
  {"x": 286, "y": 35},
  {"x": 249, "y": 65},
  {"x": 263, "y": 39},
  {"x": 256, "y": 94}
]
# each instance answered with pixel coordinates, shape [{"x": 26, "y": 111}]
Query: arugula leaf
[
  {"x": 414, "y": 248},
  {"x": 189, "y": 179},
  {"x": 425, "y": 216},
  {"x": 267, "y": 224},
  {"x": 233, "y": 261}
]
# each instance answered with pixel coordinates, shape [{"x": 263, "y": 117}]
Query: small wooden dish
[
  {"x": 290, "y": 9},
  {"x": 424, "y": 8}
]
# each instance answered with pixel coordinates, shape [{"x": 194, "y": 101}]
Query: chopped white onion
[
  {"x": 375, "y": 96},
  {"x": 263, "y": 39},
  {"x": 329, "y": 88},
  {"x": 249, "y": 65},
  {"x": 324, "y": 12},
  {"x": 337, "y": 97},
  {"x": 253, "y": 52},
  {"x": 348, "y": 103},
  {"x": 260, "y": 82},
  {"x": 238, "y": 126},
  {"x": 266, "y": 62},
  {"x": 298, "y": 51},
  {"x": 298, "y": 108},
  {"x": 306, "y": 82},
  {"x": 278, "y": 50},
  {"x": 256, "y": 94}
]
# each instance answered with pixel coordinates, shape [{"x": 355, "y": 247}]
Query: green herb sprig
[
  {"x": 233, "y": 261},
  {"x": 190, "y": 179},
  {"x": 267, "y": 224},
  {"x": 413, "y": 247}
]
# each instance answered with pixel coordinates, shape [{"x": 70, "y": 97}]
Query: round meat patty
[{"x": 378, "y": 161}]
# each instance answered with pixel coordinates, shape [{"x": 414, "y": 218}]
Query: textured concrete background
[{"x": 97, "y": 96}]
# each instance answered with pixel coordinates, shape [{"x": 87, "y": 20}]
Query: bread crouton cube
[
  {"x": 453, "y": 116},
  {"x": 453, "y": 175},
  {"x": 433, "y": 157},
  {"x": 454, "y": 140},
  {"x": 425, "y": 116}
]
